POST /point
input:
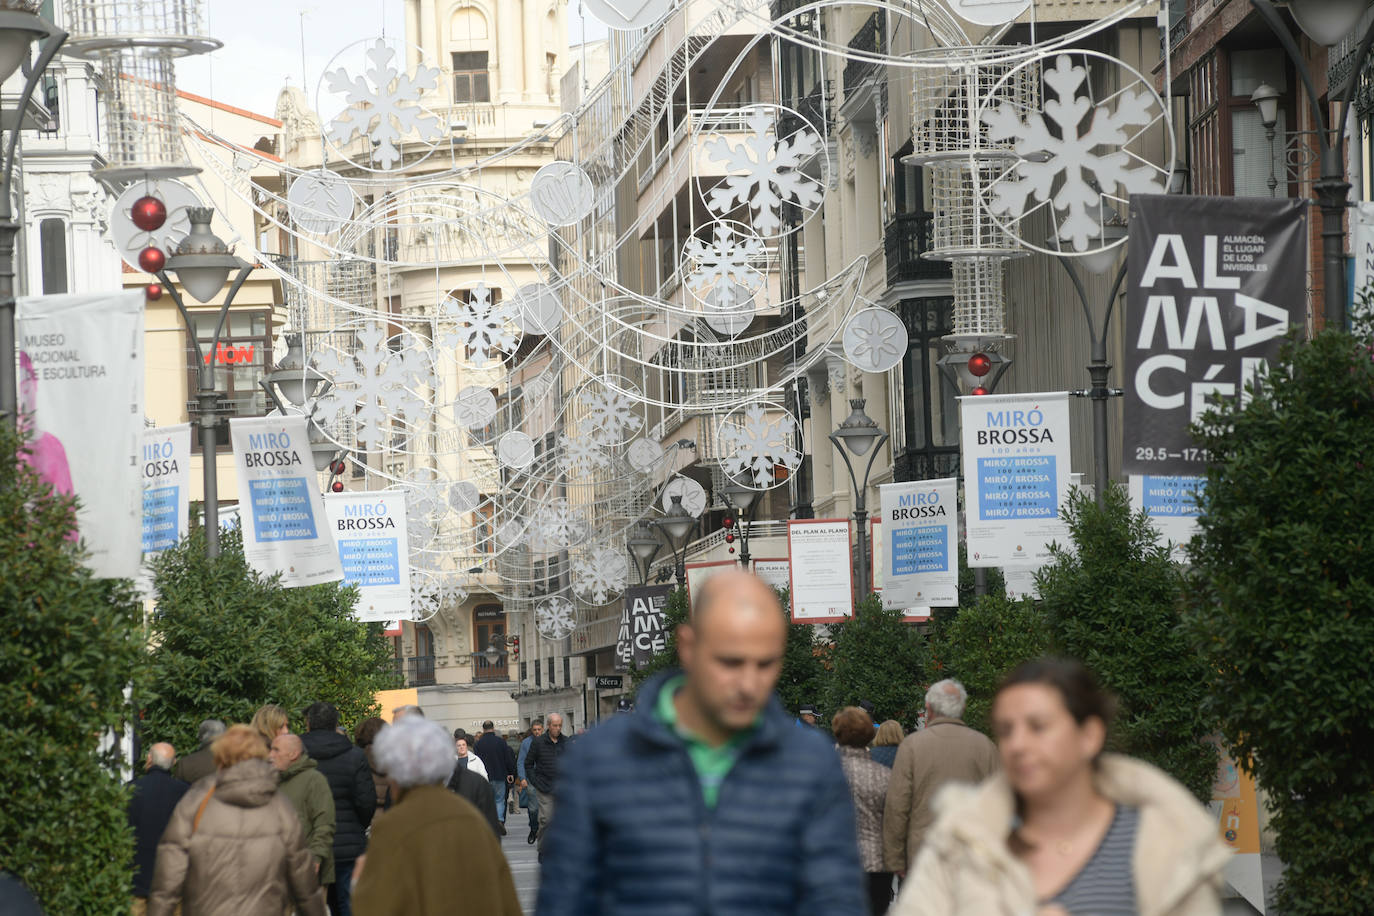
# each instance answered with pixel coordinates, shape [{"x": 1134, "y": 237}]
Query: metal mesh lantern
[
  {"x": 141, "y": 115},
  {"x": 945, "y": 101},
  {"x": 979, "y": 297},
  {"x": 962, "y": 226},
  {"x": 177, "y": 27}
]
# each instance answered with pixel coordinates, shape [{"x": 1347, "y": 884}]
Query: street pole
[
  {"x": 861, "y": 518},
  {"x": 860, "y": 433}
]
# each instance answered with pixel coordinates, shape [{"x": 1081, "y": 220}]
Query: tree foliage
[
  {"x": 1282, "y": 603},
  {"x": 72, "y": 645},
  {"x": 227, "y": 640},
  {"x": 879, "y": 657},
  {"x": 1113, "y": 601},
  {"x": 981, "y": 643}
]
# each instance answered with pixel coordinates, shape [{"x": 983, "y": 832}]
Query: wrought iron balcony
[
  {"x": 420, "y": 671},
  {"x": 872, "y": 39},
  {"x": 905, "y": 239}
]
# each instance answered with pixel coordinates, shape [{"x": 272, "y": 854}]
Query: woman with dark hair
[
  {"x": 853, "y": 729},
  {"x": 1065, "y": 828}
]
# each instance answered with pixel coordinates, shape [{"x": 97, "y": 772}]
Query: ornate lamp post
[
  {"x": 644, "y": 547},
  {"x": 858, "y": 434},
  {"x": 742, "y": 500},
  {"x": 676, "y": 527}
]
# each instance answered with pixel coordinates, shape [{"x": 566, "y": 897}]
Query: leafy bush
[
  {"x": 73, "y": 644},
  {"x": 877, "y": 657},
  {"x": 1114, "y": 603},
  {"x": 226, "y": 640},
  {"x": 1283, "y": 606},
  {"x": 981, "y": 643}
]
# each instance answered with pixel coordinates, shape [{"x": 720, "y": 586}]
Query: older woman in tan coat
[
  {"x": 1064, "y": 829},
  {"x": 234, "y": 845}
]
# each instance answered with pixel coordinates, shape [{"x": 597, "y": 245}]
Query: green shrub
[
  {"x": 73, "y": 644},
  {"x": 1283, "y": 606},
  {"x": 981, "y": 643},
  {"x": 879, "y": 657},
  {"x": 226, "y": 641}
]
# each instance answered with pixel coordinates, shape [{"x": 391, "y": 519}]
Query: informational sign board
[
  {"x": 370, "y": 533},
  {"x": 822, "y": 570},
  {"x": 285, "y": 529},
  {"x": 80, "y": 365},
  {"x": 698, "y": 573},
  {"x": 1016, "y": 475},
  {"x": 919, "y": 555},
  {"x": 166, "y": 486},
  {"x": 776, "y": 572}
]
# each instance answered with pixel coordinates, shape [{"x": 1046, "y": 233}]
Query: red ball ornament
[
  {"x": 732, "y": 550},
  {"x": 730, "y": 538},
  {"x": 148, "y": 213},
  {"x": 337, "y": 467},
  {"x": 979, "y": 391},
  {"x": 979, "y": 364},
  {"x": 337, "y": 486},
  {"x": 728, "y": 522},
  {"x": 152, "y": 259},
  {"x": 153, "y": 291}
]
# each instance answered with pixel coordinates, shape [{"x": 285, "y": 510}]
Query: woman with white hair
[{"x": 431, "y": 848}]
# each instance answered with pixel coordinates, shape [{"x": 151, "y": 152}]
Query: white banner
[
  {"x": 1016, "y": 475},
  {"x": 284, "y": 526},
  {"x": 920, "y": 543},
  {"x": 81, "y": 383},
  {"x": 822, "y": 571},
  {"x": 166, "y": 486},
  {"x": 1171, "y": 503},
  {"x": 1362, "y": 242},
  {"x": 370, "y": 533}
]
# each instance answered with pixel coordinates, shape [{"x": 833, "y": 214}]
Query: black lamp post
[
  {"x": 742, "y": 500},
  {"x": 202, "y": 264},
  {"x": 858, "y": 433},
  {"x": 19, "y": 29},
  {"x": 644, "y": 547},
  {"x": 676, "y": 527}
]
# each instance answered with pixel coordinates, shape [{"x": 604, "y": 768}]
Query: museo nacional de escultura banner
[
  {"x": 1214, "y": 284},
  {"x": 80, "y": 367},
  {"x": 285, "y": 529}
]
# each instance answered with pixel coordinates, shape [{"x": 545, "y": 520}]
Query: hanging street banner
[
  {"x": 1171, "y": 502},
  {"x": 81, "y": 395},
  {"x": 166, "y": 486},
  {"x": 284, "y": 526},
  {"x": 1016, "y": 475},
  {"x": 920, "y": 543},
  {"x": 1214, "y": 285},
  {"x": 821, "y": 570},
  {"x": 370, "y": 534},
  {"x": 1362, "y": 241},
  {"x": 642, "y": 632}
]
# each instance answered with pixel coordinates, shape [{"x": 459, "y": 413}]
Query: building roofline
[{"x": 244, "y": 112}]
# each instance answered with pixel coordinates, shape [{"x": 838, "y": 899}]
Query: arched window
[
  {"x": 489, "y": 629},
  {"x": 467, "y": 39}
]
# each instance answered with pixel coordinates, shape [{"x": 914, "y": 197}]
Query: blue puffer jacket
[{"x": 632, "y": 835}]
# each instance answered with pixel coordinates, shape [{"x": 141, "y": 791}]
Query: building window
[
  {"x": 524, "y": 671},
  {"x": 550, "y": 671},
  {"x": 930, "y": 434},
  {"x": 567, "y": 670},
  {"x": 52, "y": 245},
  {"x": 240, "y": 360},
  {"x": 482, "y": 530},
  {"x": 489, "y": 623},
  {"x": 420, "y": 668},
  {"x": 471, "y": 79},
  {"x": 536, "y": 673}
]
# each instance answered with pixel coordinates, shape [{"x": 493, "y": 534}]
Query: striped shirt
[{"x": 1106, "y": 885}]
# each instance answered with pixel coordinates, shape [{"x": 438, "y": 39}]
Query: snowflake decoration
[
  {"x": 425, "y": 595},
  {"x": 485, "y": 328},
  {"x": 767, "y": 173},
  {"x": 600, "y": 574},
  {"x": 1068, "y": 171},
  {"x": 559, "y": 526},
  {"x": 723, "y": 261},
  {"x": 452, "y": 589},
  {"x": 553, "y": 618},
  {"x": 875, "y": 340},
  {"x": 382, "y": 106},
  {"x": 375, "y": 382},
  {"x": 581, "y": 454},
  {"x": 752, "y": 447},
  {"x": 610, "y": 417}
]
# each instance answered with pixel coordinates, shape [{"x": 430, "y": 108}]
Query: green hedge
[{"x": 981, "y": 643}]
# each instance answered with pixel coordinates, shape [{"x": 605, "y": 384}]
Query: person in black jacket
[
  {"x": 155, "y": 796},
  {"x": 355, "y": 797},
  {"x": 496, "y": 755},
  {"x": 542, "y": 765},
  {"x": 477, "y": 790}
]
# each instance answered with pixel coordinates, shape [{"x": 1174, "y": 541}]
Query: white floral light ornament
[
  {"x": 600, "y": 573},
  {"x": 383, "y": 105},
  {"x": 320, "y": 202},
  {"x": 486, "y": 328},
  {"x": 376, "y": 385},
  {"x": 474, "y": 407},
  {"x": 875, "y": 340},
  {"x": 516, "y": 450},
  {"x": 764, "y": 172},
  {"x": 553, "y": 618},
  {"x": 754, "y": 441},
  {"x": 644, "y": 455},
  {"x": 561, "y": 193}
]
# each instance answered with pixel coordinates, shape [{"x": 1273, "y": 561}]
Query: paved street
[{"x": 524, "y": 863}]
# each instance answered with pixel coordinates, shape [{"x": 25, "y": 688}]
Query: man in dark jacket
[
  {"x": 477, "y": 790},
  {"x": 499, "y": 759},
  {"x": 355, "y": 796},
  {"x": 200, "y": 763},
  {"x": 748, "y": 813},
  {"x": 155, "y": 796},
  {"x": 542, "y": 766}
]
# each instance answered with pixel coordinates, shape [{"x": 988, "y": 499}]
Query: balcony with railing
[
  {"x": 905, "y": 239},
  {"x": 870, "y": 39},
  {"x": 420, "y": 671}
]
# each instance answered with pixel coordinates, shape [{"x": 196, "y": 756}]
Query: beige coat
[
  {"x": 966, "y": 869},
  {"x": 945, "y": 751},
  {"x": 247, "y": 855}
]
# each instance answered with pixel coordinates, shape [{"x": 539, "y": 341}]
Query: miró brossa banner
[
  {"x": 1214, "y": 285},
  {"x": 166, "y": 462},
  {"x": 284, "y": 526},
  {"x": 920, "y": 557},
  {"x": 1016, "y": 475},
  {"x": 80, "y": 366},
  {"x": 370, "y": 533}
]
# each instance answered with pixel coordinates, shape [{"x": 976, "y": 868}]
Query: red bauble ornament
[
  {"x": 732, "y": 550},
  {"x": 337, "y": 486},
  {"x": 979, "y": 364},
  {"x": 728, "y": 522},
  {"x": 730, "y": 537},
  {"x": 337, "y": 467},
  {"x": 148, "y": 213},
  {"x": 152, "y": 259},
  {"x": 153, "y": 291},
  {"x": 980, "y": 390}
]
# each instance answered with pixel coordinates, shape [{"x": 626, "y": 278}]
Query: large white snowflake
[
  {"x": 558, "y": 525},
  {"x": 452, "y": 589},
  {"x": 1072, "y": 166},
  {"x": 724, "y": 260},
  {"x": 553, "y": 618},
  {"x": 765, "y": 173},
  {"x": 581, "y": 454},
  {"x": 382, "y": 106},
  {"x": 610, "y": 415},
  {"x": 486, "y": 328},
  {"x": 600, "y": 574},
  {"x": 425, "y": 595},
  {"x": 753, "y": 445},
  {"x": 376, "y": 382}
]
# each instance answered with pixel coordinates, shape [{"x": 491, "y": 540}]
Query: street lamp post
[
  {"x": 742, "y": 500},
  {"x": 676, "y": 526},
  {"x": 858, "y": 433},
  {"x": 202, "y": 264},
  {"x": 1326, "y": 22},
  {"x": 18, "y": 30}
]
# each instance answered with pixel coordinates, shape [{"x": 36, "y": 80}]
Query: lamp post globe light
[
  {"x": 644, "y": 547},
  {"x": 858, "y": 434},
  {"x": 202, "y": 263},
  {"x": 20, "y": 26},
  {"x": 676, "y": 527},
  {"x": 742, "y": 500}
]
